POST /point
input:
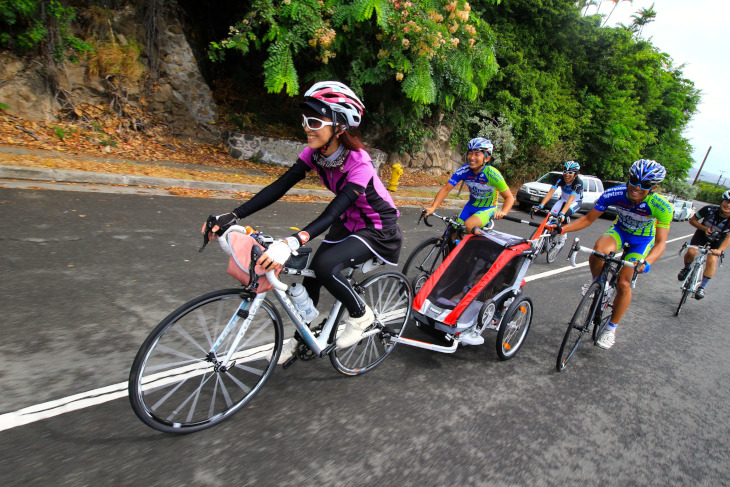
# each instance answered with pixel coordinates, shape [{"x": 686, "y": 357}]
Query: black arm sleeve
[
  {"x": 334, "y": 210},
  {"x": 271, "y": 193}
]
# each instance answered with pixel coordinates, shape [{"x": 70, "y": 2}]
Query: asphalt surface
[{"x": 85, "y": 276}]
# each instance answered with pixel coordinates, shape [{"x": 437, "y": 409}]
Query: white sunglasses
[{"x": 313, "y": 123}]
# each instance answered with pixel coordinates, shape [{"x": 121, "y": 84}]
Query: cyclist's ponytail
[{"x": 350, "y": 141}]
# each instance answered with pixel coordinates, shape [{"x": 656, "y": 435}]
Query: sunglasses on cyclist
[
  {"x": 313, "y": 123},
  {"x": 637, "y": 183},
  {"x": 569, "y": 173}
]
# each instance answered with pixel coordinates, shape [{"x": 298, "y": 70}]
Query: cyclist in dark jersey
[
  {"x": 362, "y": 218},
  {"x": 715, "y": 219}
]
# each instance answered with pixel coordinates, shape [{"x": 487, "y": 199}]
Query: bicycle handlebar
[{"x": 575, "y": 248}]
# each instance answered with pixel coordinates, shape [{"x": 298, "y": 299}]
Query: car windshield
[
  {"x": 550, "y": 178},
  {"x": 678, "y": 204}
]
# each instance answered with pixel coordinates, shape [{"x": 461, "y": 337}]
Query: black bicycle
[
  {"x": 594, "y": 310},
  {"x": 430, "y": 253}
]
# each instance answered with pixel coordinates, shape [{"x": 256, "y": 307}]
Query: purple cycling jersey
[{"x": 374, "y": 207}]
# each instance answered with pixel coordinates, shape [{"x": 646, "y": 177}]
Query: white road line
[{"x": 109, "y": 393}]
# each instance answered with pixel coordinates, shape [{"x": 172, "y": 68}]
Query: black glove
[{"x": 225, "y": 221}]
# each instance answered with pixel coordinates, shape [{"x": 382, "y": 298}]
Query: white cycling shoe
[
  {"x": 354, "y": 328},
  {"x": 607, "y": 339},
  {"x": 287, "y": 351}
]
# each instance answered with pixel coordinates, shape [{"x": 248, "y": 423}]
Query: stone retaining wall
[{"x": 281, "y": 152}]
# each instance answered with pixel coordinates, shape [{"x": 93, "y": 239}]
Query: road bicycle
[
  {"x": 692, "y": 282},
  {"x": 432, "y": 252},
  {"x": 211, "y": 356},
  {"x": 554, "y": 243},
  {"x": 594, "y": 309}
]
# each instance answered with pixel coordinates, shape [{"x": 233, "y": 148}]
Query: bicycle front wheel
[
  {"x": 554, "y": 246},
  {"x": 687, "y": 286},
  {"x": 178, "y": 383},
  {"x": 683, "y": 299},
  {"x": 579, "y": 325},
  {"x": 390, "y": 297},
  {"x": 424, "y": 259}
]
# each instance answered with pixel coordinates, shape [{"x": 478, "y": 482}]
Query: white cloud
[{"x": 696, "y": 34}]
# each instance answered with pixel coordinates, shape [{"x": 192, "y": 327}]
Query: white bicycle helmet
[
  {"x": 647, "y": 171},
  {"x": 726, "y": 195},
  {"x": 482, "y": 144},
  {"x": 571, "y": 166},
  {"x": 343, "y": 103}
]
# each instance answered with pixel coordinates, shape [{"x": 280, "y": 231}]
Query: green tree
[
  {"x": 43, "y": 26},
  {"x": 409, "y": 59}
]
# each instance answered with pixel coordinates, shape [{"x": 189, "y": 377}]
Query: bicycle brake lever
[
  {"x": 209, "y": 224},
  {"x": 425, "y": 219}
]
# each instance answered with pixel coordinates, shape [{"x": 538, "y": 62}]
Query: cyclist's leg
[
  {"x": 608, "y": 242},
  {"x": 639, "y": 249},
  {"x": 329, "y": 262},
  {"x": 480, "y": 218}
]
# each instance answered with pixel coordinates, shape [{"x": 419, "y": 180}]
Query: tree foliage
[
  {"x": 409, "y": 59},
  {"x": 44, "y": 26}
]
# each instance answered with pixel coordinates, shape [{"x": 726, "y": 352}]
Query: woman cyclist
[
  {"x": 362, "y": 218},
  {"x": 714, "y": 219},
  {"x": 643, "y": 222},
  {"x": 483, "y": 181},
  {"x": 571, "y": 192}
]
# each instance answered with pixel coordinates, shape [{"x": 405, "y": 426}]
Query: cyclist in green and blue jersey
[
  {"x": 485, "y": 183},
  {"x": 643, "y": 222}
]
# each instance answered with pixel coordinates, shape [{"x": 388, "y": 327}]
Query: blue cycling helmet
[
  {"x": 647, "y": 171},
  {"x": 571, "y": 166},
  {"x": 482, "y": 144}
]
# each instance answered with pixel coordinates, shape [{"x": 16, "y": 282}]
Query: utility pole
[
  {"x": 718, "y": 179},
  {"x": 701, "y": 165}
]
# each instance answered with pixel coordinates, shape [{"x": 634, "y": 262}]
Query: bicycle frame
[{"x": 700, "y": 261}]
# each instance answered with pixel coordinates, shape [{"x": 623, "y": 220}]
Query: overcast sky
[{"x": 695, "y": 33}]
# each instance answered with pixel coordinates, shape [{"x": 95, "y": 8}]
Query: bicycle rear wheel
[
  {"x": 178, "y": 385},
  {"x": 424, "y": 259},
  {"x": 579, "y": 325},
  {"x": 390, "y": 297}
]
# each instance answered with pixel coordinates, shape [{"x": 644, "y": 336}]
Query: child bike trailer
[{"x": 477, "y": 287}]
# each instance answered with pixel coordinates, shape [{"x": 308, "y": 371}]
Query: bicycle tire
[
  {"x": 687, "y": 286},
  {"x": 579, "y": 324},
  {"x": 390, "y": 297},
  {"x": 174, "y": 384},
  {"x": 682, "y": 300},
  {"x": 513, "y": 330},
  {"x": 422, "y": 261},
  {"x": 554, "y": 246}
]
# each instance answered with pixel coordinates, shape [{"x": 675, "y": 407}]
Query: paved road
[{"x": 84, "y": 278}]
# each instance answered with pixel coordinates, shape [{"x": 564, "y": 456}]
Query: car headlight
[{"x": 524, "y": 188}]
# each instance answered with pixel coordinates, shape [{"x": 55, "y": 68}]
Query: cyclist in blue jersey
[
  {"x": 714, "y": 219},
  {"x": 643, "y": 222},
  {"x": 484, "y": 183},
  {"x": 571, "y": 192}
]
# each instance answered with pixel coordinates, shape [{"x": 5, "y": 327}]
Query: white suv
[{"x": 532, "y": 193}]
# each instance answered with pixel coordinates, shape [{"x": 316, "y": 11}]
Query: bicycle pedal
[
  {"x": 328, "y": 349},
  {"x": 289, "y": 362}
]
